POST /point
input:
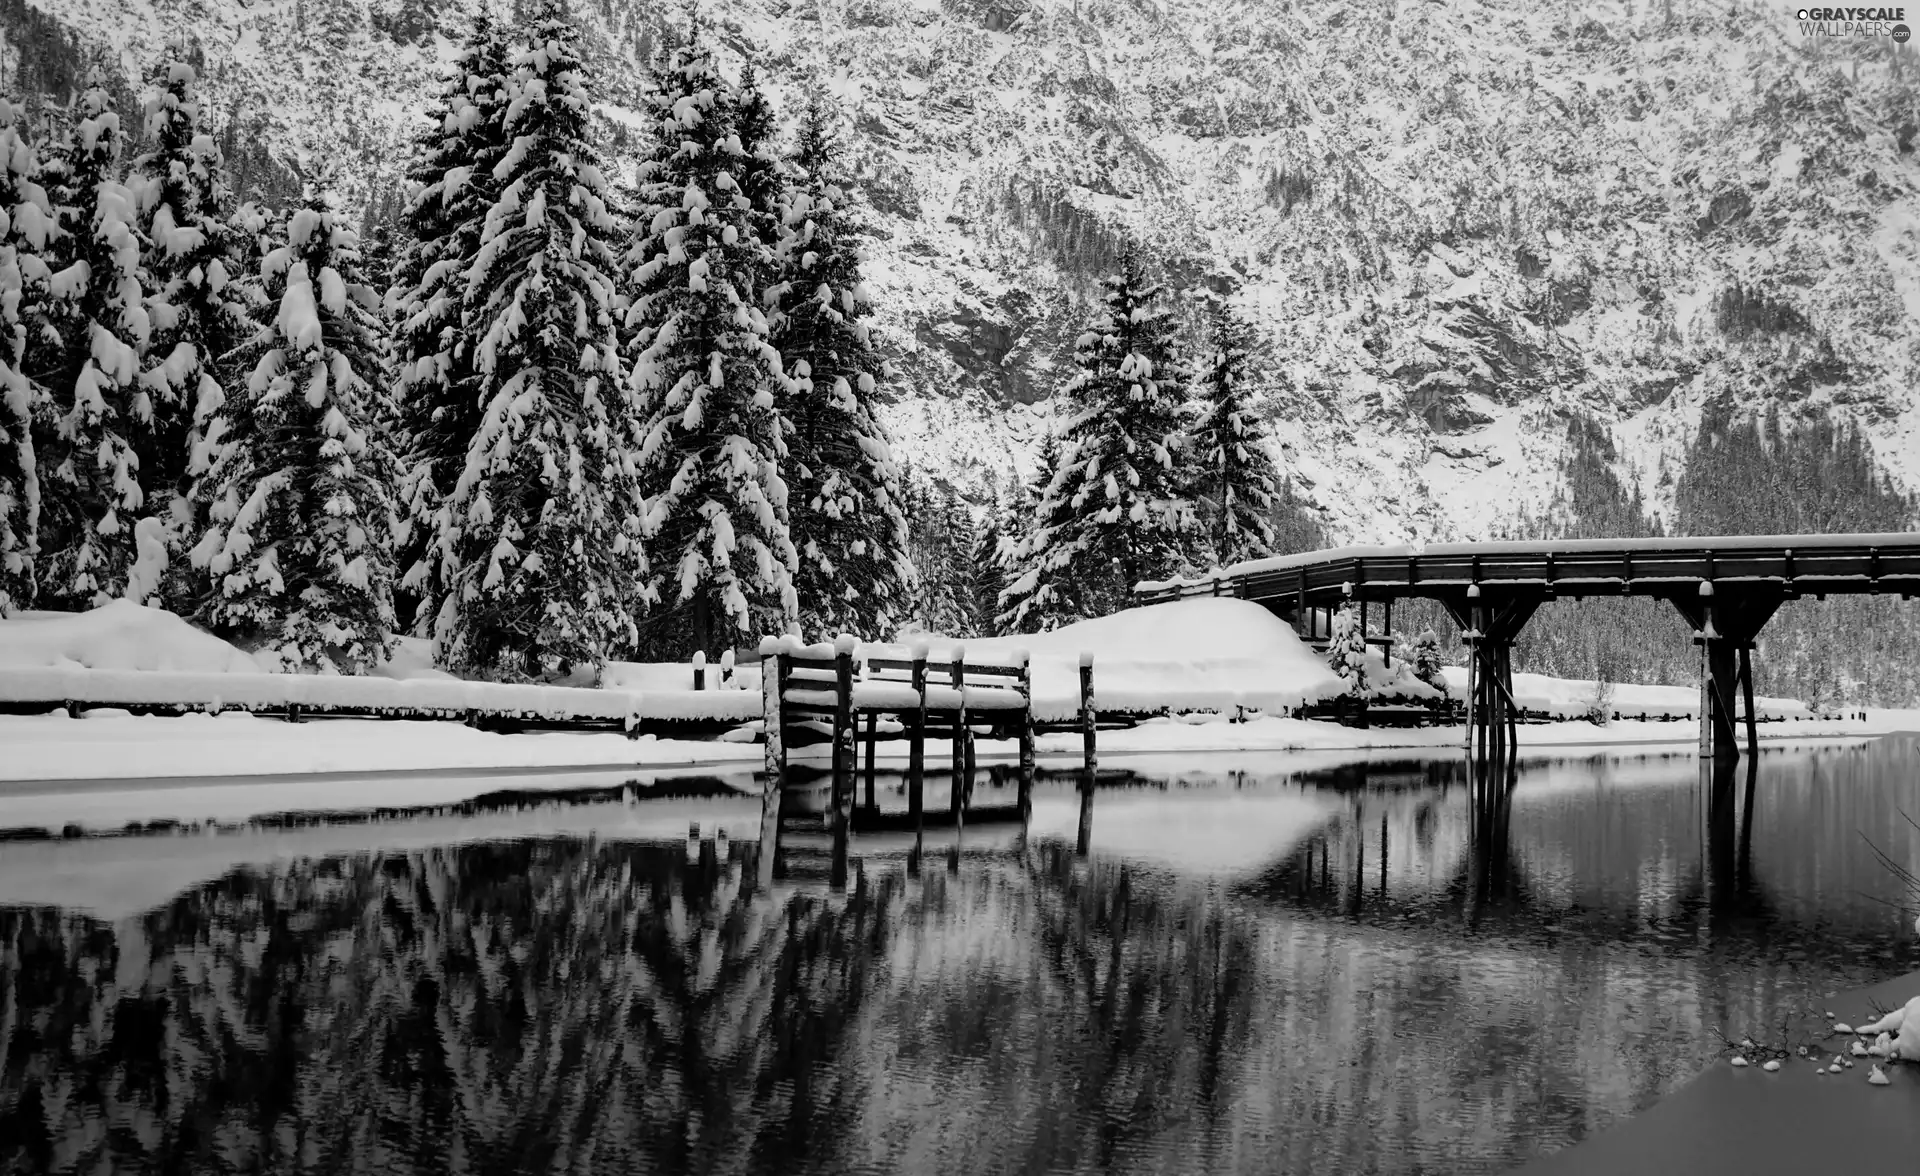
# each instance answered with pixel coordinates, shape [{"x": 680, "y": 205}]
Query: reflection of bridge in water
[
  {"x": 1346, "y": 866},
  {"x": 1380, "y": 842}
]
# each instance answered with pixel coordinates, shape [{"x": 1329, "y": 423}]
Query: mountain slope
[{"x": 1454, "y": 223}]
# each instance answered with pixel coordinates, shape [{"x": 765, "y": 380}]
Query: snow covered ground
[{"x": 109, "y": 767}]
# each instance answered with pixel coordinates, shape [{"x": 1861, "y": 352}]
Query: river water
[{"x": 1260, "y": 965}]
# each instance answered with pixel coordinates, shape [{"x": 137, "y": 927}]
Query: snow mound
[
  {"x": 1208, "y": 653},
  {"x": 119, "y": 635}
]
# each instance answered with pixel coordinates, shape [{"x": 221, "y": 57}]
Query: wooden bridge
[{"x": 1726, "y": 587}]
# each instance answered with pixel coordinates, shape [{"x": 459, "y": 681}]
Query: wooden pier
[{"x": 854, "y": 700}]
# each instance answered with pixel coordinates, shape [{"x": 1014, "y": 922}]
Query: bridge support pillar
[
  {"x": 1725, "y": 621},
  {"x": 1489, "y": 628}
]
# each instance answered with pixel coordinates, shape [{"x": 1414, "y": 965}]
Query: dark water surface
[{"x": 1255, "y": 970}]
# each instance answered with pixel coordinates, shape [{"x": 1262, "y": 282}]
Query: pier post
[
  {"x": 776, "y": 759},
  {"x": 1089, "y": 716},
  {"x": 1026, "y": 736},
  {"x": 917, "y": 740},
  {"x": 957, "y": 801},
  {"x": 873, "y": 740},
  {"x": 1089, "y": 756},
  {"x": 843, "y": 762},
  {"x": 1746, "y": 687},
  {"x": 699, "y": 669}
]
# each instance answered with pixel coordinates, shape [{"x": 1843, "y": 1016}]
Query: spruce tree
[
  {"x": 765, "y": 176},
  {"x": 539, "y": 542},
  {"x": 1036, "y": 598},
  {"x": 1347, "y": 650},
  {"x": 300, "y": 519},
  {"x": 1425, "y": 656},
  {"x": 100, "y": 413},
  {"x": 986, "y": 574},
  {"x": 1116, "y": 510},
  {"x": 437, "y": 388},
  {"x": 27, "y": 229},
  {"x": 706, "y": 373},
  {"x": 1236, "y": 480},
  {"x": 194, "y": 313},
  {"x": 851, "y": 537}
]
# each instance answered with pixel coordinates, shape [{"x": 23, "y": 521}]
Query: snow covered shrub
[
  {"x": 1347, "y": 650},
  {"x": 1599, "y": 710},
  {"x": 1424, "y": 653},
  {"x": 299, "y": 520}
]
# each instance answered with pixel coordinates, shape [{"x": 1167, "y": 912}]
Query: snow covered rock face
[{"x": 1646, "y": 215}]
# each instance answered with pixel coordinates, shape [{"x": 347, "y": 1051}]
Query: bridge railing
[{"x": 1809, "y": 564}]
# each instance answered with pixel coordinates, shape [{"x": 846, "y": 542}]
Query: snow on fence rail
[{"x": 297, "y": 694}]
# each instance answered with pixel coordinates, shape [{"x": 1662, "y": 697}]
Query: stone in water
[
  {"x": 1738, "y": 1060},
  {"x": 1772, "y": 1067},
  {"x": 1877, "y": 1076}
]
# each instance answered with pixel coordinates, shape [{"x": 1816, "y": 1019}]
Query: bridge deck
[{"x": 1665, "y": 567}]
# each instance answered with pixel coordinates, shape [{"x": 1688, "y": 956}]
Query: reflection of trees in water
[
  {"x": 556, "y": 1005},
  {"x": 1158, "y": 981},
  {"x": 510, "y": 1007}
]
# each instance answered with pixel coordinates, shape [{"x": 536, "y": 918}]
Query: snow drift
[{"x": 1208, "y": 653}]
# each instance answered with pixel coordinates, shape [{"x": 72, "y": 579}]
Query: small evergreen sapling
[
  {"x": 299, "y": 518},
  {"x": 1347, "y": 650},
  {"x": 1424, "y": 654}
]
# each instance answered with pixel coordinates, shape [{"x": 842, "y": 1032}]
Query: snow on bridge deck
[{"x": 1665, "y": 566}]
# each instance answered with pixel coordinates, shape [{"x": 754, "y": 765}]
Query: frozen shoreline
[{"x": 62, "y": 754}]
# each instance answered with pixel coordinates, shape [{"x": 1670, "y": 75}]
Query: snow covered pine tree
[
  {"x": 299, "y": 517},
  {"x": 1235, "y": 475},
  {"x": 706, "y": 374},
  {"x": 90, "y": 479},
  {"x": 195, "y": 315},
  {"x": 1119, "y": 494},
  {"x": 851, "y": 537},
  {"x": 540, "y": 544},
  {"x": 1347, "y": 650},
  {"x": 436, "y": 387},
  {"x": 26, "y": 228},
  {"x": 1425, "y": 656}
]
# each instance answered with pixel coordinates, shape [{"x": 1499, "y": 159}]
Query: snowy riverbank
[{"x": 108, "y": 746}]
